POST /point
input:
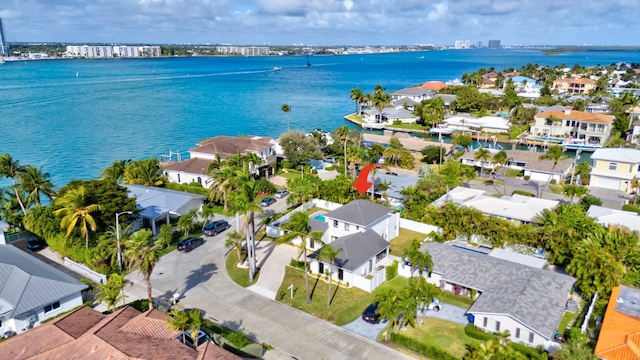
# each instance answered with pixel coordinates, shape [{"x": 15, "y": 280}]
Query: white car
[
  {"x": 434, "y": 305},
  {"x": 281, "y": 193}
]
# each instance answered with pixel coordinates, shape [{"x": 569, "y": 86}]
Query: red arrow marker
[{"x": 362, "y": 185}]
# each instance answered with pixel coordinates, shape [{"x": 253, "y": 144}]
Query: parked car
[
  {"x": 189, "y": 244},
  {"x": 370, "y": 314},
  {"x": 281, "y": 193},
  {"x": 330, "y": 160},
  {"x": 435, "y": 305},
  {"x": 267, "y": 202},
  {"x": 215, "y": 227},
  {"x": 188, "y": 340},
  {"x": 391, "y": 173},
  {"x": 33, "y": 243},
  {"x": 8, "y": 334}
]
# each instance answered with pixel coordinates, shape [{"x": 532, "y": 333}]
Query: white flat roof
[
  {"x": 608, "y": 217},
  {"x": 518, "y": 258}
]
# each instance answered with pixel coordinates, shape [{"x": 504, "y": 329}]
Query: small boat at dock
[
  {"x": 441, "y": 129},
  {"x": 275, "y": 68},
  {"x": 579, "y": 144}
]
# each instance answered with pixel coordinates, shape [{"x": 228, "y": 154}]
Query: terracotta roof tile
[
  {"x": 33, "y": 342},
  {"x": 620, "y": 333},
  {"x": 151, "y": 323},
  {"x": 194, "y": 166},
  {"x": 210, "y": 351},
  {"x": 228, "y": 146},
  {"x": 578, "y": 115},
  {"x": 433, "y": 85},
  {"x": 82, "y": 320}
]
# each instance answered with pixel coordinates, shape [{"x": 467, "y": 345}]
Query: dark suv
[
  {"x": 370, "y": 314},
  {"x": 33, "y": 243},
  {"x": 189, "y": 244},
  {"x": 215, "y": 227}
]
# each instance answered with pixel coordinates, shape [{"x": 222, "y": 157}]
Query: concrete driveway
[
  {"x": 448, "y": 312},
  {"x": 363, "y": 328}
]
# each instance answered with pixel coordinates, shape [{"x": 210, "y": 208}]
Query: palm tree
[
  {"x": 418, "y": 259},
  {"x": 222, "y": 182},
  {"x": 144, "y": 172},
  {"x": 11, "y": 169},
  {"x": 112, "y": 291},
  {"x": 287, "y": 109},
  {"x": 584, "y": 170},
  {"x": 483, "y": 155},
  {"x": 298, "y": 227},
  {"x": 394, "y": 151},
  {"x": 343, "y": 133},
  {"x": 142, "y": 254},
  {"x": 187, "y": 222},
  {"x": 380, "y": 101},
  {"x": 387, "y": 306},
  {"x": 165, "y": 236},
  {"x": 356, "y": 94},
  {"x": 422, "y": 292},
  {"x": 195, "y": 324},
  {"x": 234, "y": 239},
  {"x": 329, "y": 253},
  {"x": 76, "y": 212},
  {"x": 107, "y": 248},
  {"x": 179, "y": 320},
  {"x": 572, "y": 190},
  {"x": 554, "y": 153},
  {"x": 501, "y": 158},
  {"x": 115, "y": 172},
  {"x": 407, "y": 306},
  {"x": 35, "y": 182}
]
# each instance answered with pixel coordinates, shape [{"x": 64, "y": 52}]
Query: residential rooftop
[
  {"x": 156, "y": 201},
  {"x": 617, "y": 154},
  {"x": 197, "y": 166},
  {"x": 357, "y": 249},
  {"x": 577, "y": 115},
  {"x": 359, "y": 212},
  {"x": 611, "y": 217},
  {"x": 619, "y": 337},
  {"x": 227, "y": 146}
]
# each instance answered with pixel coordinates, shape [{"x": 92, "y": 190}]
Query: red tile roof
[
  {"x": 619, "y": 337},
  {"x": 228, "y": 146},
  {"x": 193, "y": 166},
  {"x": 578, "y": 115},
  {"x": 433, "y": 85}
]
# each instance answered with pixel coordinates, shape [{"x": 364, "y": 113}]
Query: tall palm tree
[
  {"x": 222, "y": 183},
  {"x": 407, "y": 305},
  {"x": 35, "y": 182},
  {"x": 234, "y": 239},
  {"x": 343, "y": 134},
  {"x": 483, "y": 155},
  {"x": 11, "y": 169},
  {"x": 107, "y": 248},
  {"x": 298, "y": 227},
  {"x": 144, "y": 172},
  {"x": 329, "y": 253},
  {"x": 76, "y": 212},
  {"x": 555, "y": 154},
  {"x": 501, "y": 158},
  {"x": 115, "y": 172},
  {"x": 196, "y": 322},
  {"x": 418, "y": 259},
  {"x": 287, "y": 109},
  {"x": 356, "y": 95},
  {"x": 179, "y": 320},
  {"x": 387, "y": 299},
  {"x": 142, "y": 254},
  {"x": 394, "y": 151},
  {"x": 380, "y": 101},
  {"x": 165, "y": 236}
]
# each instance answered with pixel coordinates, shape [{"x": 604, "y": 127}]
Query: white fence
[
  {"x": 84, "y": 270},
  {"x": 369, "y": 285},
  {"x": 274, "y": 230},
  {"x": 418, "y": 226}
]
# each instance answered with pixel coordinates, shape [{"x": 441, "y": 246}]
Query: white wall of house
[
  {"x": 357, "y": 278},
  {"x": 541, "y": 176},
  {"x": 20, "y": 323},
  {"x": 192, "y": 204},
  {"x": 519, "y": 332},
  {"x": 417, "y": 226},
  {"x": 182, "y": 177}
]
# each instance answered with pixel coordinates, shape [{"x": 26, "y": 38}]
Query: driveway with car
[
  {"x": 368, "y": 330},
  {"x": 448, "y": 312}
]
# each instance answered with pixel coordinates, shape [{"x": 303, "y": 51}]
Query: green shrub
[
  {"x": 238, "y": 339},
  {"x": 531, "y": 353},
  {"x": 264, "y": 186},
  {"x": 298, "y": 264},
  {"x": 424, "y": 349},
  {"x": 512, "y": 173},
  {"x": 392, "y": 270},
  {"x": 195, "y": 184},
  {"x": 477, "y": 333},
  {"x": 553, "y": 182},
  {"x": 629, "y": 207},
  {"x": 589, "y": 200},
  {"x": 286, "y": 164},
  {"x": 253, "y": 350},
  {"x": 187, "y": 188},
  {"x": 527, "y": 177},
  {"x": 522, "y": 192}
]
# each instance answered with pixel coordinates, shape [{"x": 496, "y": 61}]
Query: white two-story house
[
  {"x": 223, "y": 147},
  {"x": 32, "y": 291},
  {"x": 593, "y": 128}
]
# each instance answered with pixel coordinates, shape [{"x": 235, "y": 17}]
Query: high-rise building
[
  {"x": 4, "y": 48},
  {"x": 479, "y": 44},
  {"x": 494, "y": 44}
]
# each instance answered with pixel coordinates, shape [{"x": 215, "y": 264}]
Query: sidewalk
[{"x": 273, "y": 260}]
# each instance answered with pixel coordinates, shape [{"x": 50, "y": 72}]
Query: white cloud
[{"x": 439, "y": 10}]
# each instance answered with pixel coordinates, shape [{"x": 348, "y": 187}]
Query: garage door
[{"x": 606, "y": 183}]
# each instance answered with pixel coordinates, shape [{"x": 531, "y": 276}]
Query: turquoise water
[
  {"x": 74, "y": 126},
  {"x": 319, "y": 217},
  {"x": 548, "y": 138}
]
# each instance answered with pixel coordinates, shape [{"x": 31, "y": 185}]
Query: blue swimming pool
[
  {"x": 547, "y": 138},
  {"x": 319, "y": 217}
]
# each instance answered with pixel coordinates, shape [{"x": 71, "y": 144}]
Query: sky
[{"x": 323, "y": 22}]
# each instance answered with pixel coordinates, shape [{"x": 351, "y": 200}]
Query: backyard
[
  {"x": 445, "y": 335},
  {"x": 403, "y": 240}
]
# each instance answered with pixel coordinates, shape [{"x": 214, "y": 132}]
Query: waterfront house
[
  {"x": 575, "y": 86},
  {"x": 389, "y": 116},
  {"x": 223, "y": 147},
  {"x": 526, "y": 161},
  {"x": 447, "y": 98},
  {"x": 416, "y": 94},
  {"x": 433, "y": 85},
  {"x": 591, "y": 127},
  {"x": 32, "y": 291},
  {"x": 634, "y": 119},
  {"x": 614, "y": 168},
  {"x": 619, "y": 337},
  {"x": 522, "y": 83},
  {"x": 160, "y": 205},
  {"x": 125, "y": 334},
  {"x": 518, "y": 208},
  {"x": 405, "y": 103},
  {"x": 491, "y": 124},
  {"x": 526, "y": 301},
  {"x": 613, "y": 217}
]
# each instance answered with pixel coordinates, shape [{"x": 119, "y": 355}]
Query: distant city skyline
[{"x": 322, "y": 23}]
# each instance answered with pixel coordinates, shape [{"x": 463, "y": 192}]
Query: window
[
  {"x": 381, "y": 256},
  {"x": 321, "y": 268},
  {"x": 485, "y": 322},
  {"x": 517, "y": 333},
  {"x": 340, "y": 274},
  {"x": 51, "y": 307},
  {"x": 312, "y": 244},
  {"x": 346, "y": 226},
  {"x": 178, "y": 177},
  {"x": 530, "y": 337},
  {"x": 335, "y": 223},
  {"x": 613, "y": 166},
  {"x": 199, "y": 180},
  {"x": 497, "y": 325}
]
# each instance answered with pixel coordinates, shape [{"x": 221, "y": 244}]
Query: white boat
[
  {"x": 441, "y": 129},
  {"x": 579, "y": 144},
  {"x": 275, "y": 68}
]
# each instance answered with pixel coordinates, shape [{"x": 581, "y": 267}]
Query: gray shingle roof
[
  {"x": 357, "y": 249},
  {"x": 359, "y": 212},
  {"x": 27, "y": 283},
  {"x": 532, "y": 296}
]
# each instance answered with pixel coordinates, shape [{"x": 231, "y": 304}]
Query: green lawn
[
  {"x": 568, "y": 316},
  {"x": 409, "y": 126},
  {"x": 314, "y": 210},
  {"x": 356, "y": 118},
  {"x": 238, "y": 275},
  {"x": 403, "y": 241},
  {"x": 443, "y": 334},
  {"x": 346, "y": 306}
]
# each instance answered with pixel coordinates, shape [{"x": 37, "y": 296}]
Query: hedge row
[
  {"x": 187, "y": 188},
  {"x": 477, "y": 333},
  {"x": 424, "y": 349},
  {"x": 392, "y": 270}
]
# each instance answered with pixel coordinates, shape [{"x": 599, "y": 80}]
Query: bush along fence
[
  {"x": 421, "y": 348},
  {"x": 477, "y": 333}
]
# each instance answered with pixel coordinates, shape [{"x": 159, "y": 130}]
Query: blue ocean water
[{"x": 75, "y": 117}]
